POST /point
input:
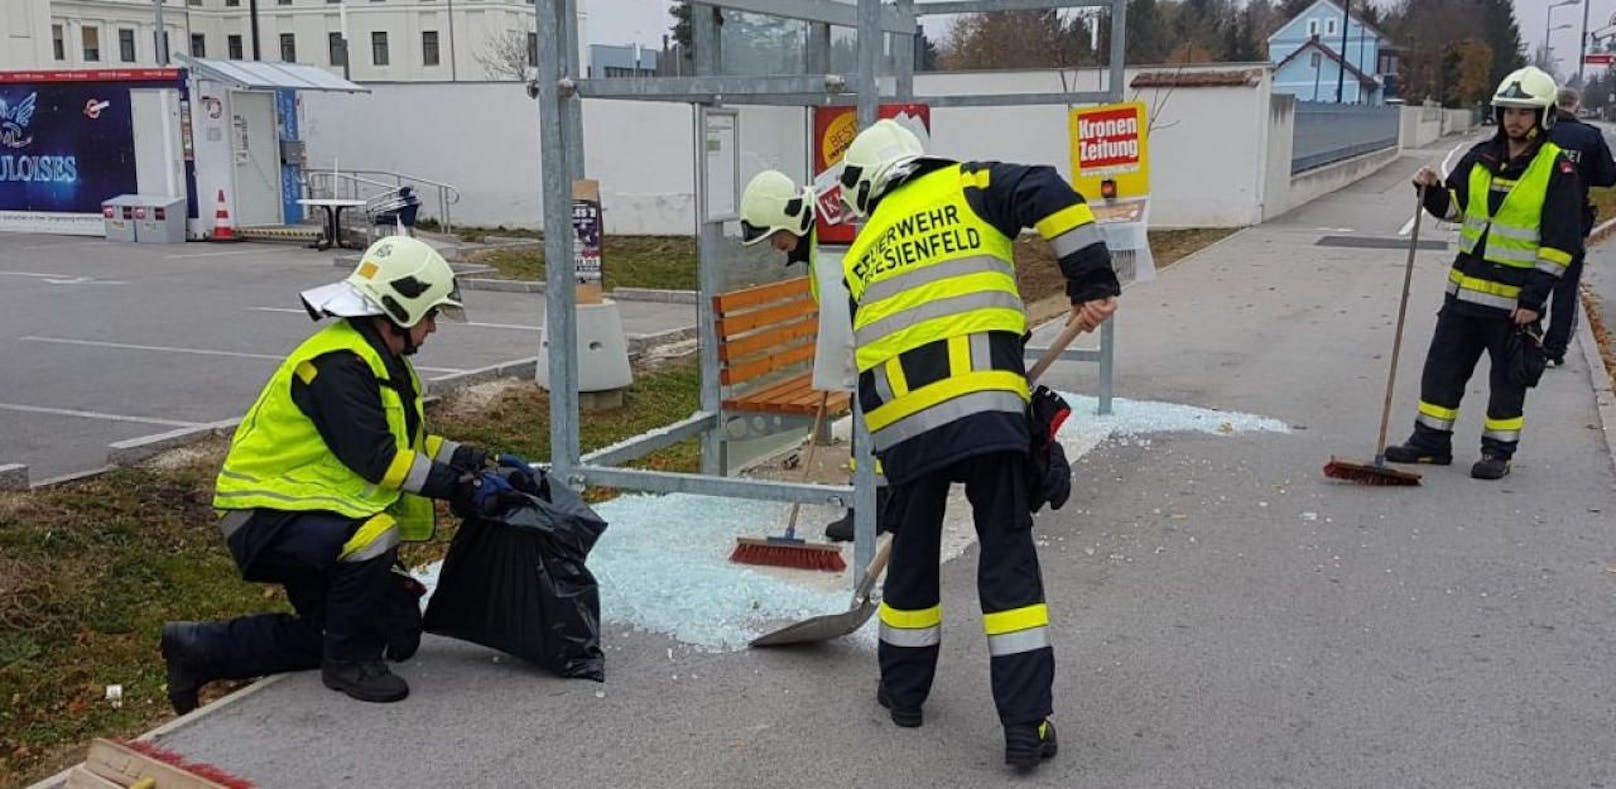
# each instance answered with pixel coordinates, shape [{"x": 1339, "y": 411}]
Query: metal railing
[
  {"x": 364, "y": 184},
  {"x": 1328, "y": 133}
]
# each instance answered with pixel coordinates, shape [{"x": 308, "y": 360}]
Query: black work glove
[
  {"x": 479, "y": 494},
  {"x": 469, "y": 458}
]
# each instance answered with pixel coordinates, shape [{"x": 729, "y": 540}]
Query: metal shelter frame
[{"x": 560, "y": 90}]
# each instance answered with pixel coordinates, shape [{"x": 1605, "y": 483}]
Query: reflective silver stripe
[
  {"x": 1477, "y": 297},
  {"x": 911, "y": 637},
  {"x": 981, "y": 352},
  {"x": 420, "y": 468},
  {"x": 1020, "y": 641},
  {"x": 1509, "y": 436},
  {"x": 945, "y": 412},
  {"x": 939, "y": 308},
  {"x": 446, "y": 451},
  {"x": 1501, "y": 254},
  {"x": 925, "y": 275},
  {"x": 1075, "y": 239},
  {"x": 1550, "y": 267},
  {"x": 340, "y": 504},
  {"x": 1445, "y": 425},
  {"x": 384, "y": 541},
  {"x": 1519, "y": 234},
  {"x": 883, "y": 385},
  {"x": 234, "y": 520}
]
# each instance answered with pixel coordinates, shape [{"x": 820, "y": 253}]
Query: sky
[{"x": 644, "y": 22}]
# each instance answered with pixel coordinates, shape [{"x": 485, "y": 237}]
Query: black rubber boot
[
  {"x": 1490, "y": 467},
  {"x": 366, "y": 680},
  {"x": 1028, "y": 744},
  {"x": 908, "y": 719},
  {"x": 1408, "y": 453},
  {"x": 186, "y": 673}
]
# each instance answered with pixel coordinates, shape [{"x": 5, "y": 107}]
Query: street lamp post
[
  {"x": 1548, "y": 17},
  {"x": 1582, "y": 43}
]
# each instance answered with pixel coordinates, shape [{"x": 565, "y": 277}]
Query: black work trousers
[
  {"x": 1563, "y": 309},
  {"x": 1009, "y": 586},
  {"x": 1457, "y": 345},
  {"x": 339, "y": 603}
]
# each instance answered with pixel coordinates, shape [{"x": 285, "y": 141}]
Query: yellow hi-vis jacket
[
  {"x": 927, "y": 269},
  {"x": 278, "y": 460},
  {"x": 1513, "y": 234}
]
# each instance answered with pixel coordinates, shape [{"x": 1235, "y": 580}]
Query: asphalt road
[{"x": 103, "y": 341}]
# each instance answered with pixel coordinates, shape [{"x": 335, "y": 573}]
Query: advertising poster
[
  {"x": 834, "y": 130},
  {"x": 66, "y": 144},
  {"x": 586, "y": 223}
]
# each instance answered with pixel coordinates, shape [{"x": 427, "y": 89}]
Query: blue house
[{"x": 1309, "y": 58}]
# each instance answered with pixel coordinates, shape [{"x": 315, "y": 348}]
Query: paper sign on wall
[{"x": 1110, "y": 151}]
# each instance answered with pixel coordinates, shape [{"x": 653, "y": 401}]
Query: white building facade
[{"x": 387, "y": 40}]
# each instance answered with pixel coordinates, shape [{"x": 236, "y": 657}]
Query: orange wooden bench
[{"x": 766, "y": 337}]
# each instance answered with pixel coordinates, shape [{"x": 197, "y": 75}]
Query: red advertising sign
[
  {"x": 1600, "y": 58},
  {"x": 834, "y": 130}
]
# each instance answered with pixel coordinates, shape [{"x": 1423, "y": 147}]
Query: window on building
[
  {"x": 92, "y": 43},
  {"x": 337, "y": 48},
  {"x": 58, "y": 44},
  {"x": 1329, "y": 27},
  {"x": 232, "y": 45},
  {"x": 232, "y": 3},
  {"x": 193, "y": 2},
  {"x": 288, "y": 48},
  {"x": 532, "y": 49},
  {"x": 1312, "y": 27},
  {"x": 429, "y": 47},
  {"x": 378, "y": 48},
  {"x": 126, "y": 45},
  {"x": 199, "y": 45},
  {"x": 283, "y": 2}
]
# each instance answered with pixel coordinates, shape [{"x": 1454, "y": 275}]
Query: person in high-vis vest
[
  {"x": 776, "y": 210},
  {"x": 1519, "y": 201},
  {"x": 328, "y": 471},
  {"x": 940, "y": 330}
]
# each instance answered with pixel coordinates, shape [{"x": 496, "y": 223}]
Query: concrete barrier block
[{"x": 14, "y": 476}]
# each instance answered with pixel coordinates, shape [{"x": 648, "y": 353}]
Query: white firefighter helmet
[
  {"x": 876, "y": 157},
  {"x": 1528, "y": 88},
  {"x": 772, "y": 202},
  {"x": 400, "y": 277}
]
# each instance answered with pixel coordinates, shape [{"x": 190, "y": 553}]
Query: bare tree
[{"x": 509, "y": 55}]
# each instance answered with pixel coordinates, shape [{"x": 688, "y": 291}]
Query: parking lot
[{"x": 102, "y": 342}]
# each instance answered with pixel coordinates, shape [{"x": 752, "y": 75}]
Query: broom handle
[
  {"x": 1054, "y": 351},
  {"x": 1397, "y": 339},
  {"x": 808, "y": 464},
  {"x": 872, "y": 572}
]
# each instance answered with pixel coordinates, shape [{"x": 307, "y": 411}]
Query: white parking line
[
  {"x": 145, "y": 420},
  {"x": 193, "y": 351},
  {"x": 511, "y": 326},
  {"x": 214, "y": 254}
]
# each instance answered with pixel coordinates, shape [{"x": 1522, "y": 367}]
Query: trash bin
[
  {"x": 118, "y": 214},
  {"x": 160, "y": 219}
]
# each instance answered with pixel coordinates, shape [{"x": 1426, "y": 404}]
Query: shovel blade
[{"x": 819, "y": 628}]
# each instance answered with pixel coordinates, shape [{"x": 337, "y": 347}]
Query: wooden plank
[
  {"x": 777, "y": 389},
  {"x": 746, "y": 371},
  {"x": 734, "y": 324},
  {"x": 124, "y": 766},
  {"x": 762, "y": 294},
  {"x": 768, "y": 338}
]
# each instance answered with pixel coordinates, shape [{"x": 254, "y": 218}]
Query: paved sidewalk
[
  {"x": 103, "y": 342},
  {"x": 1224, "y": 616}
]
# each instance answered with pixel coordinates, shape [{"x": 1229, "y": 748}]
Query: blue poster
[
  {"x": 65, "y": 147},
  {"x": 291, "y": 174}
]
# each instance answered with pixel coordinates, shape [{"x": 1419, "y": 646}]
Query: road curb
[
  {"x": 14, "y": 476},
  {"x": 134, "y": 450},
  {"x": 1599, "y": 378},
  {"x": 653, "y": 295}
]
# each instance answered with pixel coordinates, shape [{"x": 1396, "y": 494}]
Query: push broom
[
  {"x": 1377, "y": 472},
  {"x": 789, "y": 550}
]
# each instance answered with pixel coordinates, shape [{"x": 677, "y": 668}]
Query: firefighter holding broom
[
  {"x": 1518, "y": 198},
  {"x": 939, "y": 330}
]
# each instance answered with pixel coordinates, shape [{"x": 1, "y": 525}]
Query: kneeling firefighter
[{"x": 329, "y": 470}]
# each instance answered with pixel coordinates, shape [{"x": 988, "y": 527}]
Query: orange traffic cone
[{"x": 222, "y": 231}]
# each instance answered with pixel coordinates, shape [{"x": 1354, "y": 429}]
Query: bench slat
[
  {"x": 763, "y": 365},
  {"x": 792, "y": 396},
  {"x": 733, "y": 324},
  {"x": 761, "y": 294},
  {"x": 787, "y": 334}
]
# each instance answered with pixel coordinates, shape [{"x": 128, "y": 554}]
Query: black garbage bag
[{"x": 514, "y": 578}]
